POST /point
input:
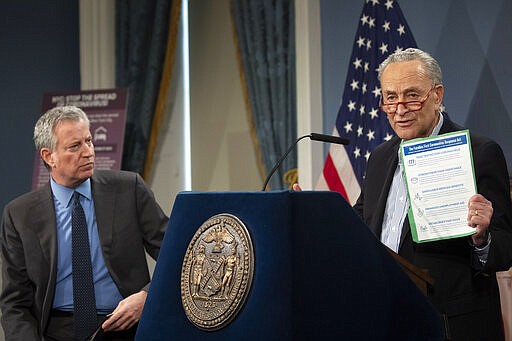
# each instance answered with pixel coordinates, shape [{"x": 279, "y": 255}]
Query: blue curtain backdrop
[
  {"x": 141, "y": 39},
  {"x": 266, "y": 44}
]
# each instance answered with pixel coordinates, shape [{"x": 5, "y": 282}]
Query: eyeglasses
[{"x": 391, "y": 108}]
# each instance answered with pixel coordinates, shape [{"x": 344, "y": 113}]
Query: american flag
[{"x": 382, "y": 30}]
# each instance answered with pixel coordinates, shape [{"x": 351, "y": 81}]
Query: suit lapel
[
  {"x": 406, "y": 230},
  {"x": 45, "y": 227},
  {"x": 104, "y": 204}
]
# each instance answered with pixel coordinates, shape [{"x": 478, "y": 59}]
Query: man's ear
[
  {"x": 439, "y": 90},
  {"x": 47, "y": 156}
]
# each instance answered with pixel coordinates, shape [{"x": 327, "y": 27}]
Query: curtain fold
[
  {"x": 165, "y": 83},
  {"x": 265, "y": 36},
  {"x": 142, "y": 29}
]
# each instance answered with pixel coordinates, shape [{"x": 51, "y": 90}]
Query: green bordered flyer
[{"x": 440, "y": 180}]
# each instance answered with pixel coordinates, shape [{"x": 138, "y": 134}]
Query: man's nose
[
  {"x": 401, "y": 109},
  {"x": 89, "y": 149}
]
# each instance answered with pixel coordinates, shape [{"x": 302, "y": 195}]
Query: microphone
[
  {"x": 329, "y": 138},
  {"x": 312, "y": 136}
]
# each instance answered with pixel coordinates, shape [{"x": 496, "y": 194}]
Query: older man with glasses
[{"x": 465, "y": 291}]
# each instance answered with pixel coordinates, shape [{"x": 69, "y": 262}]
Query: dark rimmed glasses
[{"x": 391, "y": 108}]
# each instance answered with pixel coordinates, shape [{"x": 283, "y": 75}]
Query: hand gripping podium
[{"x": 319, "y": 274}]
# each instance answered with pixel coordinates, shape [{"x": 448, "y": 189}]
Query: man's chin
[
  {"x": 86, "y": 174},
  {"x": 406, "y": 133}
]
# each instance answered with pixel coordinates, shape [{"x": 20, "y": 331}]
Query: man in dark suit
[
  {"x": 465, "y": 291},
  {"x": 38, "y": 261}
]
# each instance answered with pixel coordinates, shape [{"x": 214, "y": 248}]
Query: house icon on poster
[{"x": 100, "y": 134}]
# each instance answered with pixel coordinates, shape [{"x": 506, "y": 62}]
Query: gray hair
[
  {"x": 429, "y": 63},
  {"x": 44, "y": 130}
]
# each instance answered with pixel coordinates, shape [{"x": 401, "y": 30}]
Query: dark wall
[
  {"x": 39, "y": 52},
  {"x": 471, "y": 39}
]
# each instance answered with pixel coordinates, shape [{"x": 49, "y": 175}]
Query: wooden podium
[{"x": 420, "y": 277}]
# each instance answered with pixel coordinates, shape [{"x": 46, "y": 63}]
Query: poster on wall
[{"x": 106, "y": 110}]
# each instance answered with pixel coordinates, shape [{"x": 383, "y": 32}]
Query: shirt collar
[
  {"x": 438, "y": 126},
  {"x": 64, "y": 194}
]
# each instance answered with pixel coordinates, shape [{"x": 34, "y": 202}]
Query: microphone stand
[
  {"x": 276, "y": 166},
  {"x": 312, "y": 136}
]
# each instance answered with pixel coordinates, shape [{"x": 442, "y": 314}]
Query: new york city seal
[{"x": 217, "y": 272}]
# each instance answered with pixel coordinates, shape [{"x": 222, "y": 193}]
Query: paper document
[{"x": 440, "y": 180}]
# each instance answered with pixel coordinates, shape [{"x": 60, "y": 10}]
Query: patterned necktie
[{"x": 84, "y": 300}]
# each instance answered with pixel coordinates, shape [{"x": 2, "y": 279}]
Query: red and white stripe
[{"x": 338, "y": 174}]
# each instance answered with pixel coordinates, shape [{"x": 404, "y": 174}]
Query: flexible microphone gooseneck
[{"x": 312, "y": 136}]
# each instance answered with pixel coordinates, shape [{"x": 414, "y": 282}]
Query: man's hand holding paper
[{"x": 479, "y": 216}]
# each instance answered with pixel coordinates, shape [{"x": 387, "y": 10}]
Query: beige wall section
[
  {"x": 97, "y": 44},
  {"x": 167, "y": 176},
  {"x": 168, "y": 169},
  {"x": 223, "y": 157},
  {"x": 309, "y": 90}
]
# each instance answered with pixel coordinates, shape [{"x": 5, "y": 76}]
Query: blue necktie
[{"x": 84, "y": 300}]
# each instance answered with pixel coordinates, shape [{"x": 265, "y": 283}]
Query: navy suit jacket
[
  {"x": 129, "y": 221},
  {"x": 464, "y": 291}
]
